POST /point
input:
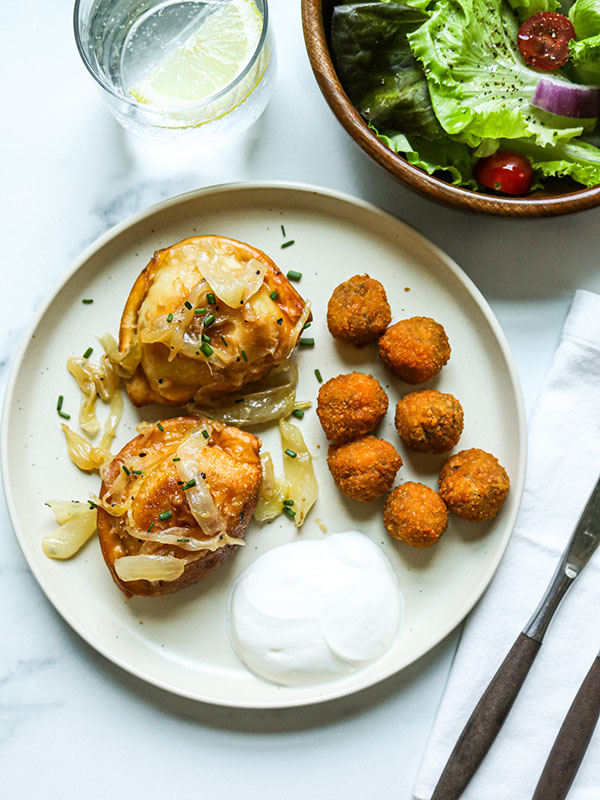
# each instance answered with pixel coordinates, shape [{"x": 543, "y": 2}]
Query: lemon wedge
[{"x": 213, "y": 56}]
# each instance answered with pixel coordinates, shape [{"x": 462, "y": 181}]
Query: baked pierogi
[
  {"x": 209, "y": 315},
  {"x": 175, "y": 502}
]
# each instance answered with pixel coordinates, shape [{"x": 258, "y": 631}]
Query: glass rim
[{"x": 155, "y": 109}]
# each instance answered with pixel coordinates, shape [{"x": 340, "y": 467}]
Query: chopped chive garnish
[
  {"x": 159, "y": 426},
  {"x": 289, "y": 511},
  {"x": 306, "y": 341},
  {"x": 290, "y": 453},
  {"x": 64, "y": 415},
  {"x": 205, "y": 337},
  {"x": 289, "y": 243},
  {"x": 224, "y": 340},
  {"x": 59, "y": 402},
  {"x": 165, "y": 515},
  {"x": 283, "y": 231},
  {"x": 188, "y": 305},
  {"x": 92, "y": 505},
  {"x": 183, "y": 540},
  {"x": 318, "y": 375},
  {"x": 244, "y": 356},
  {"x": 125, "y": 470},
  {"x": 211, "y": 299},
  {"x": 176, "y": 458},
  {"x": 169, "y": 317},
  {"x": 210, "y": 318},
  {"x": 306, "y": 325},
  {"x": 199, "y": 311},
  {"x": 206, "y": 434},
  {"x": 189, "y": 484},
  {"x": 273, "y": 295},
  {"x": 87, "y": 300},
  {"x": 88, "y": 352},
  {"x": 298, "y": 413},
  {"x": 206, "y": 349},
  {"x": 293, "y": 274},
  {"x": 137, "y": 471},
  {"x": 288, "y": 502},
  {"x": 151, "y": 526}
]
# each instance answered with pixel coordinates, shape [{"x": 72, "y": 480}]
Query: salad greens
[
  {"x": 585, "y": 16},
  {"x": 376, "y": 60},
  {"x": 585, "y": 50},
  {"x": 443, "y": 83},
  {"x": 480, "y": 87}
]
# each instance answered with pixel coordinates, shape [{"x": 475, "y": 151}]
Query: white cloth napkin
[{"x": 564, "y": 464}]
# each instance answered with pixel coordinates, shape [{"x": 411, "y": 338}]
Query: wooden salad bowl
[{"x": 561, "y": 196}]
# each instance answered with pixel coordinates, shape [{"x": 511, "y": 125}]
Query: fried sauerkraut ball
[
  {"x": 350, "y": 406},
  {"x": 415, "y": 349},
  {"x": 364, "y": 469},
  {"x": 358, "y": 310},
  {"x": 415, "y": 514},
  {"x": 429, "y": 421},
  {"x": 474, "y": 484}
]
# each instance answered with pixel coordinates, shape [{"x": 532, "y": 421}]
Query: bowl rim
[{"x": 416, "y": 179}]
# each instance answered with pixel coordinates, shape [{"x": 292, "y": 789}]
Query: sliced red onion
[{"x": 567, "y": 99}]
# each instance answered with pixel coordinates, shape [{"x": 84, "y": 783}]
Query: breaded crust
[
  {"x": 365, "y": 468},
  {"x": 415, "y": 349},
  {"x": 415, "y": 514},
  {"x": 429, "y": 421},
  {"x": 474, "y": 485},
  {"x": 358, "y": 310},
  {"x": 350, "y": 406}
]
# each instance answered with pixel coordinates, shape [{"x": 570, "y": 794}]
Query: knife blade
[{"x": 490, "y": 713}]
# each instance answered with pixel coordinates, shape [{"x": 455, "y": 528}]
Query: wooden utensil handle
[
  {"x": 487, "y": 719},
  {"x": 572, "y": 740}
]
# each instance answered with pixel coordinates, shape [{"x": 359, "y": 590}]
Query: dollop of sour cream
[{"x": 313, "y": 611}]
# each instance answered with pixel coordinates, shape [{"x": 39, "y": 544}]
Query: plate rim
[{"x": 517, "y": 482}]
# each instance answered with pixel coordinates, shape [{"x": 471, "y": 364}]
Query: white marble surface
[{"x": 71, "y": 724}]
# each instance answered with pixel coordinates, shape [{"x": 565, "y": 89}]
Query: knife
[
  {"x": 573, "y": 739},
  {"x": 491, "y": 711}
]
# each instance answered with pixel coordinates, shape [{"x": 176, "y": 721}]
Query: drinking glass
[{"x": 122, "y": 41}]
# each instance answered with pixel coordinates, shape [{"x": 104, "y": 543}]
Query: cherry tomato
[
  {"x": 544, "y": 38},
  {"x": 505, "y": 172}
]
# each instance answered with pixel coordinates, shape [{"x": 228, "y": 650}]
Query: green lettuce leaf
[
  {"x": 577, "y": 159},
  {"x": 479, "y": 85},
  {"x": 445, "y": 155},
  {"x": 527, "y": 8},
  {"x": 585, "y": 59},
  {"x": 422, "y": 4},
  {"x": 585, "y": 16},
  {"x": 377, "y": 68}
]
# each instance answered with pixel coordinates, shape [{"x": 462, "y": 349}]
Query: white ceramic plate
[{"x": 180, "y": 642}]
